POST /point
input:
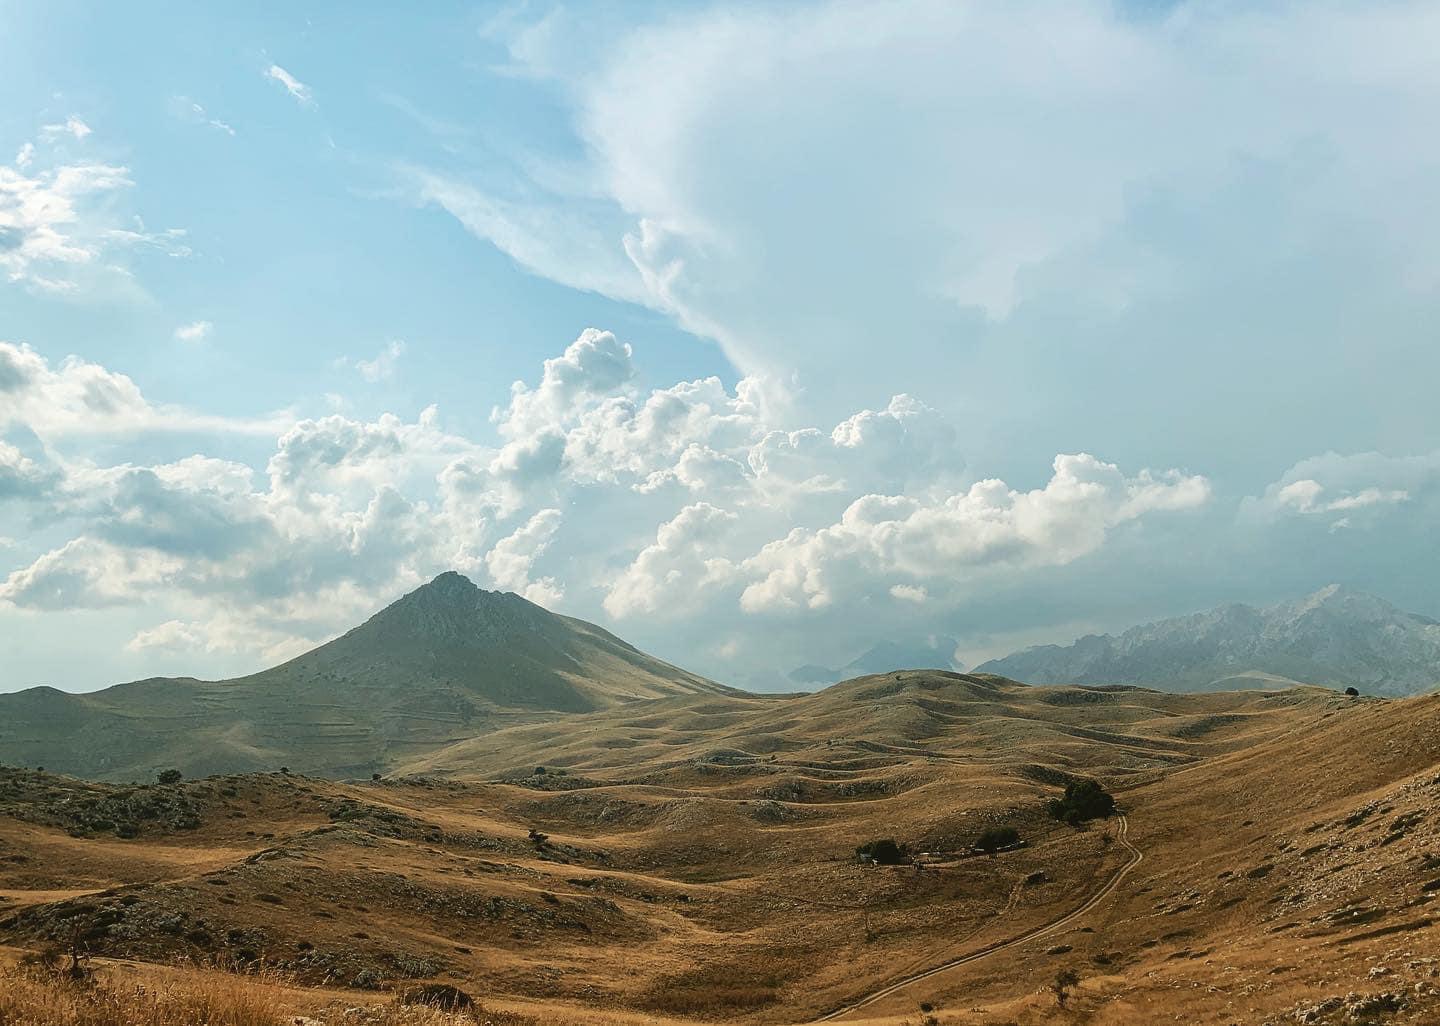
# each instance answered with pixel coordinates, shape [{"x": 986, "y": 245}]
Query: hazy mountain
[
  {"x": 1336, "y": 637},
  {"x": 917, "y": 653},
  {"x": 445, "y": 662}
]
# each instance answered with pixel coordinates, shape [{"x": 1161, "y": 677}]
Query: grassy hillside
[
  {"x": 691, "y": 859},
  {"x": 448, "y": 661}
]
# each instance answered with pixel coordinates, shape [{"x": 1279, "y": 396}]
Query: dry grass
[
  {"x": 38, "y": 996},
  {"x": 716, "y": 991}
]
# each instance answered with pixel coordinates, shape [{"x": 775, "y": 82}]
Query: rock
[{"x": 1365, "y": 1007}]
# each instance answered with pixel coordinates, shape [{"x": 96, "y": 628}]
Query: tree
[
  {"x": 1084, "y": 800},
  {"x": 1352, "y": 692},
  {"x": 995, "y": 838},
  {"x": 1065, "y": 979},
  {"x": 169, "y": 776},
  {"x": 884, "y": 851}
]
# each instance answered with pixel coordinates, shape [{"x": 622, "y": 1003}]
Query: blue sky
[{"x": 862, "y": 321}]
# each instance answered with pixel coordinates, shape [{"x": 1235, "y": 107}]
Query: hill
[
  {"x": 1335, "y": 638},
  {"x": 691, "y": 860},
  {"x": 447, "y": 661}
]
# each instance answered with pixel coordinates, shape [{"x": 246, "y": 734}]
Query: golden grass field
[{"x": 690, "y": 859}]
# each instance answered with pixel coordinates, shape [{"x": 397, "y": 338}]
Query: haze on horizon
[{"x": 759, "y": 336}]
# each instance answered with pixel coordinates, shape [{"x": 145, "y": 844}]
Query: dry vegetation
[
  {"x": 37, "y": 995},
  {"x": 694, "y": 860}
]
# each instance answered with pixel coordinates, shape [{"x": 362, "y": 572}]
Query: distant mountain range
[
  {"x": 929, "y": 653},
  {"x": 1335, "y": 637},
  {"x": 445, "y": 662}
]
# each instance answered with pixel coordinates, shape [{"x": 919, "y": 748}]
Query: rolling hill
[
  {"x": 691, "y": 860},
  {"x": 1335, "y": 638},
  {"x": 445, "y": 662}
]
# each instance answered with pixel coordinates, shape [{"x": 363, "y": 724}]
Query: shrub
[
  {"x": 1065, "y": 979},
  {"x": 1084, "y": 800},
  {"x": 995, "y": 838},
  {"x": 1352, "y": 692},
  {"x": 884, "y": 851},
  {"x": 169, "y": 776}
]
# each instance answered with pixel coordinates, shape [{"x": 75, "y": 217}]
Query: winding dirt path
[{"x": 1039, "y": 932}]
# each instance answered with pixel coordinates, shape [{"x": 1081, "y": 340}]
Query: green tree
[
  {"x": 995, "y": 838},
  {"x": 1084, "y": 800}
]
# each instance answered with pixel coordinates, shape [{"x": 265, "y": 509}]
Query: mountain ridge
[{"x": 1335, "y": 637}]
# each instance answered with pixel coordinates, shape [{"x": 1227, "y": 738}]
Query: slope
[
  {"x": 444, "y": 662},
  {"x": 688, "y": 858}
]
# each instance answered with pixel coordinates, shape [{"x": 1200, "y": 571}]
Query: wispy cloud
[
  {"x": 72, "y": 126},
  {"x": 188, "y": 110},
  {"x": 58, "y": 229},
  {"x": 195, "y": 331},
  {"x": 293, "y": 85},
  {"x": 382, "y": 368}
]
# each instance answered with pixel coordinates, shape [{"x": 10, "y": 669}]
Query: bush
[
  {"x": 884, "y": 851},
  {"x": 169, "y": 776},
  {"x": 1065, "y": 980},
  {"x": 1084, "y": 800},
  {"x": 995, "y": 838},
  {"x": 1352, "y": 692}
]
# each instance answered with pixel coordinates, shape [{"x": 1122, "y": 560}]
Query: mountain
[
  {"x": 445, "y": 662},
  {"x": 1335, "y": 637},
  {"x": 929, "y": 652}
]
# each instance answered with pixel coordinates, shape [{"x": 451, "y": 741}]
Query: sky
[{"x": 758, "y": 334}]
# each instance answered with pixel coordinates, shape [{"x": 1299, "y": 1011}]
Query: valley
[{"x": 691, "y": 858}]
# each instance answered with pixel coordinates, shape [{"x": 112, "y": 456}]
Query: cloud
[
  {"x": 77, "y": 397},
  {"x": 382, "y": 367},
  {"x": 1081, "y": 233},
  {"x": 86, "y": 574},
  {"x": 693, "y": 512},
  {"x": 22, "y": 478},
  {"x": 671, "y": 576},
  {"x": 71, "y": 126},
  {"x": 511, "y": 561},
  {"x": 988, "y": 526},
  {"x": 1346, "y": 491},
  {"x": 299, "y": 90},
  {"x": 188, "y": 110},
  {"x": 538, "y": 231},
  {"x": 58, "y": 233},
  {"x": 195, "y": 331}
]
